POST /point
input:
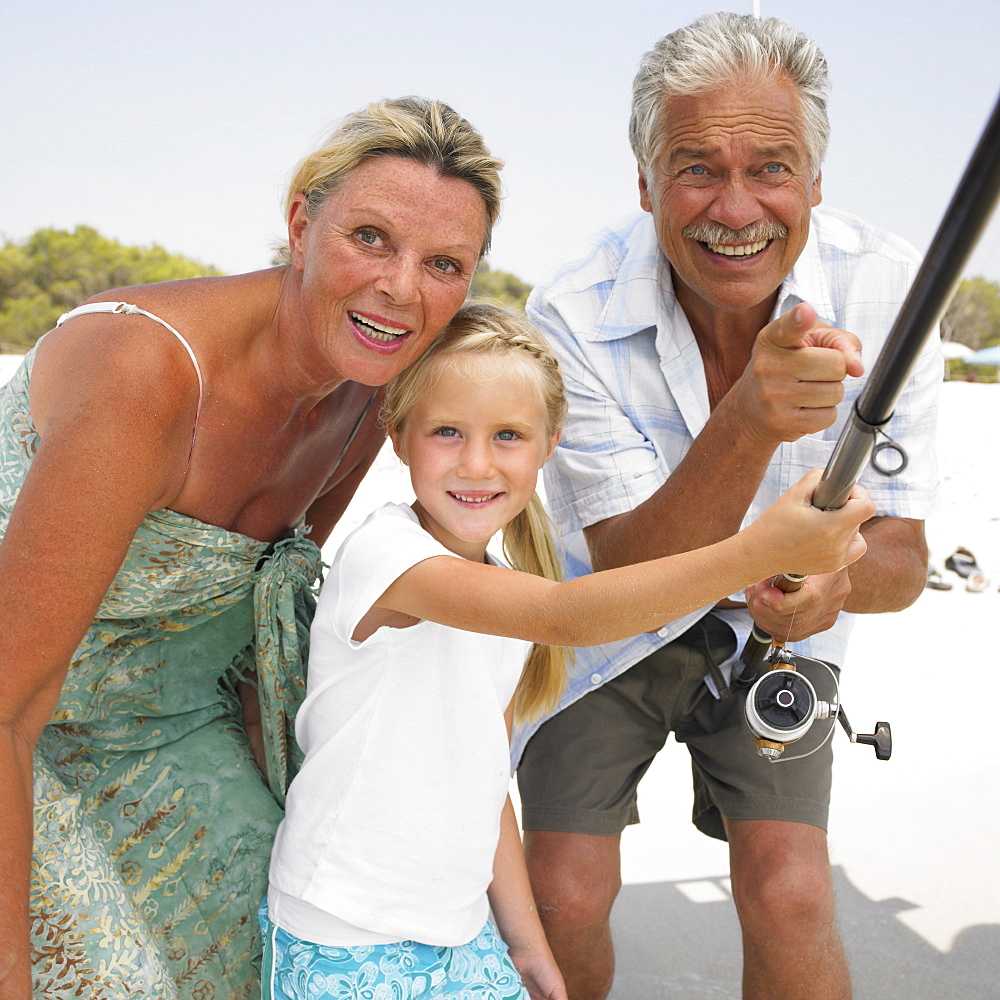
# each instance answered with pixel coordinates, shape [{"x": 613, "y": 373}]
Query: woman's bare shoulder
[{"x": 214, "y": 302}]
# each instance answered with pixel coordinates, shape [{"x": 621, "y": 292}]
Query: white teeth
[
  {"x": 745, "y": 250},
  {"x": 378, "y": 331},
  {"x": 465, "y": 499}
]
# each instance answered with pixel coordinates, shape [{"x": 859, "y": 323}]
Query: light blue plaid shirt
[{"x": 638, "y": 398}]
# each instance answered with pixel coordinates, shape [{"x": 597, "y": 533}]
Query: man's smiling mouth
[
  {"x": 739, "y": 250},
  {"x": 377, "y": 331}
]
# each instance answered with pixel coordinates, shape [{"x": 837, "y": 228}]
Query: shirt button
[{"x": 595, "y": 678}]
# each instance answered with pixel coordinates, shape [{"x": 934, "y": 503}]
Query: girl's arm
[
  {"x": 514, "y": 910},
  {"x": 791, "y": 536},
  {"x": 114, "y": 445}
]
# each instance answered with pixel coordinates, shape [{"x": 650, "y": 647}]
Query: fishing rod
[{"x": 781, "y": 708}]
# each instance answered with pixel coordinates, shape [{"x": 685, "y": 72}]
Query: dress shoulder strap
[{"x": 128, "y": 309}]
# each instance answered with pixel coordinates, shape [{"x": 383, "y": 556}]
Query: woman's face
[{"x": 385, "y": 264}]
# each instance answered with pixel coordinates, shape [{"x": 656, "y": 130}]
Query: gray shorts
[{"x": 581, "y": 770}]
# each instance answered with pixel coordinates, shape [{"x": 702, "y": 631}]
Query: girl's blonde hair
[{"x": 484, "y": 330}]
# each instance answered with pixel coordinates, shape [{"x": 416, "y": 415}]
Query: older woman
[{"x": 170, "y": 457}]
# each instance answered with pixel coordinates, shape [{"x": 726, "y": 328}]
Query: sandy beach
[{"x": 913, "y": 840}]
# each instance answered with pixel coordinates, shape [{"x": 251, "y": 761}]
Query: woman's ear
[{"x": 297, "y": 223}]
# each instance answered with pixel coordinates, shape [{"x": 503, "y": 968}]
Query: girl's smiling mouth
[{"x": 474, "y": 498}]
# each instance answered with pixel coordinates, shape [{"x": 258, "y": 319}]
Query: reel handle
[{"x": 881, "y": 739}]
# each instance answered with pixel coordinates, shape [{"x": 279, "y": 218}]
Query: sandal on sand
[
  {"x": 963, "y": 562},
  {"x": 935, "y": 580}
]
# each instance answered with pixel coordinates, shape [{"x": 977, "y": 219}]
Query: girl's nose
[{"x": 476, "y": 461}]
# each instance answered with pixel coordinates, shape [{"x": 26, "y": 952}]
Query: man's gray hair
[{"x": 715, "y": 50}]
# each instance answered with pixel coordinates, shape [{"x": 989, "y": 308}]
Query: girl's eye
[
  {"x": 507, "y": 435},
  {"x": 447, "y": 432}
]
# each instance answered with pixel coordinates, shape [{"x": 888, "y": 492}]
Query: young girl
[{"x": 398, "y": 828}]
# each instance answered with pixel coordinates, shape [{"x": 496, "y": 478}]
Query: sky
[{"x": 180, "y": 123}]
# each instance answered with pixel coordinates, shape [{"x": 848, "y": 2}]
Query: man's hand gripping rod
[{"x": 781, "y": 708}]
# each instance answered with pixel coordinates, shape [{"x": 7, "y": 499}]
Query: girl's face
[{"x": 474, "y": 444}]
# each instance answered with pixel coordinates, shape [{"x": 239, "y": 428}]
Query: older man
[{"x": 705, "y": 356}]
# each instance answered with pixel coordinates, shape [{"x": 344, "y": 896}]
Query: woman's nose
[{"x": 400, "y": 280}]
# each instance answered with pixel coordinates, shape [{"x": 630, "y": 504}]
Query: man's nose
[{"x": 735, "y": 204}]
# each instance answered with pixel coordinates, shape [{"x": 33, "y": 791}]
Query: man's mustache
[{"x": 756, "y": 232}]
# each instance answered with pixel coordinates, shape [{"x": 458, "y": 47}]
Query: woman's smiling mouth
[{"x": 381, "y": 332}]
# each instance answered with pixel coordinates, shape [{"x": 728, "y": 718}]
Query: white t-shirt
[{"x": 392, "y": 824}]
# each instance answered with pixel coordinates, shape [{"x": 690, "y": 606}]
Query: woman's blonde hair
[
  {"x": 484, "y": 330},
  {"x": 429, "y": 132}
]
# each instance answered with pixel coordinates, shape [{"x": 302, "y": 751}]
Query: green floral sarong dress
[{"x": 153, "y": 826}]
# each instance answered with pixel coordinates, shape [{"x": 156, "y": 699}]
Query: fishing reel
[{"x": 782, "y": 706}]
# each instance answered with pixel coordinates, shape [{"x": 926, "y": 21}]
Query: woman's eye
[
  {"x": 446, "y": 266},
  {"x": 369, "y": 236}
]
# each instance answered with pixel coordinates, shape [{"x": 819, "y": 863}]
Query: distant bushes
[{"x": 54, "y": 270}]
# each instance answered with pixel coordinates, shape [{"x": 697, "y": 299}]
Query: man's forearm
[
  {"x": 893, "y": 572},
  {"x": 703, "y": 501}
]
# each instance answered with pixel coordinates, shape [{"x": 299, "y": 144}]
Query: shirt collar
[
  {"x": 634, "y": 302},
  {"x": 807, "y": 282}
]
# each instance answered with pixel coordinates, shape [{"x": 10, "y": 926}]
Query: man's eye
[
  {"x": 698, "y": 170},
  {"x": 773, "y": 168}
]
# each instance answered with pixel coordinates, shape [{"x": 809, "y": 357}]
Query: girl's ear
[
  {"x": 397, "y": 444},
  {"x": 553, "y": 441}
]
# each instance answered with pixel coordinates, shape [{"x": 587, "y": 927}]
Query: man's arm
[{"x": 790, "y": 388}]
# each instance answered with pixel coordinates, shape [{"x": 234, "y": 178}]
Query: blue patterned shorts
[{"x": 300, "y": 970}]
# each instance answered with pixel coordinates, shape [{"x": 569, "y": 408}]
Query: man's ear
[
  {"x": 817, "y": 189},
  {"x": 645, "y": 201}
]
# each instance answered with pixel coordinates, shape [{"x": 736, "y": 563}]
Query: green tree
[
  {"x": 499, "y": 286},
  {"x": 54, "y": 270},
  {"x": 973, "y": 315}
]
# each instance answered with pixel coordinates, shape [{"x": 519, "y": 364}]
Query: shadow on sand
[{"x": 681, "y": 941}]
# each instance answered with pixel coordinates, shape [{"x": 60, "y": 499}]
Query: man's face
[{"x": 731, "y": 193}]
